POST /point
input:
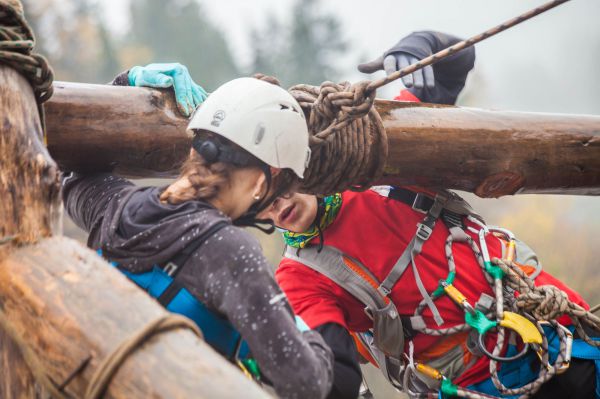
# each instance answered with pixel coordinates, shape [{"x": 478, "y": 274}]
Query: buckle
[
  {"x": 419, "y": 203},
  {"x": 423, "y": 231},
  {"x": 384, "y": 291},
  {"x": 170, "y": 269}
]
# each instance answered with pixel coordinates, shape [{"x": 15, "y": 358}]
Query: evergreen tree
[
  {"x": 179, "y": 31},
  {"x": 305, "y": 52},
  {"x": 73, "y": 38}
]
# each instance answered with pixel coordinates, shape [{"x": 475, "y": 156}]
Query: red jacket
[{"x": 375, "y": 230}]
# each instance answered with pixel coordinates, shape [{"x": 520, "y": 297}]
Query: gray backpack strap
[
  {"x": 414, "y": 248},
  {"x": 330, "y": 263},
  {"x": 388, "y": 332}
]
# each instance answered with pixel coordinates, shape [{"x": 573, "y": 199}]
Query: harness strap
[
  {"x": 330, "y": 262},
  {"x": 173, "y": 267},
  {"x": 414, "y": 248}
]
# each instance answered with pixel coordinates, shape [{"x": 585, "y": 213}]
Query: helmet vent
[
  {"x": 259, "y": 133},
  {"x": 285, "y": 106}
]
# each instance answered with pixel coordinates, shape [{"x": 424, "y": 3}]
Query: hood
[{"x": 140, "y": 231}]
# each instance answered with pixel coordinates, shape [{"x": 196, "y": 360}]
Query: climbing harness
[
  {"x": 164, "y": 284},
  {"x": 347, "y": 136},
  {"x": 512, "y": 312}
]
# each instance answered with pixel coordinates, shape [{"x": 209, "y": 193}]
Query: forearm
[
  {"x": 236, "y": 281},
  {"x": 346, "y": 370},
  {"x": 121, "y": 79},
  {"x": 298, "y": 364},
  {"x": 86, "y": 197}
]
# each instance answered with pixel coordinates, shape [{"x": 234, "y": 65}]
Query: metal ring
[{"x": 481, "y": 346}]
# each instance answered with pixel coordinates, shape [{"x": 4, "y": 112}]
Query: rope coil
[
  {"x": 16, "y": 51},
  {"x": 347, "y": 137},
  {"x": 110, "y": 365}
]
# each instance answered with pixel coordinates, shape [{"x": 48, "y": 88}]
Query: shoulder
[
  {"x": 230, "y": 239},
  {"x": 293, "y": 275}
]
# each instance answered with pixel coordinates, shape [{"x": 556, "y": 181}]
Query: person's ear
[
  {"x": 260, "y": 187},
  {"x": 274, "y": 171}
]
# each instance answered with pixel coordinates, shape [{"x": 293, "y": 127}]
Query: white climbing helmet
[{"x": 260, "y": 117}]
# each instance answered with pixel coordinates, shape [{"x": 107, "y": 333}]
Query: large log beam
[
  {"x": 138, "y": 133},
  {"x": 60, "y": 303}
]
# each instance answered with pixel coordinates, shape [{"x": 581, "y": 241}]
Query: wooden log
[
  {"x": 16, "y": 379},
  {"x": 29, "y": 209},
  {"x": 63, "y": 303},
  {"x": 138, "y": 133},
  {"x": 60, "y": 303}
]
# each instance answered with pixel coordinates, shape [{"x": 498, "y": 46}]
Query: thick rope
[
  {"x": 16, "y": 46},
  {"x": 111, "y": 364},
  {"x": 547, "y": 302},
  {"x": 348, "y": 140}
]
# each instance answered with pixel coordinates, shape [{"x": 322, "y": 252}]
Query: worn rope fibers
[
  {"x": 347, "y": 138},
  {"x": 16, "y": 46}
]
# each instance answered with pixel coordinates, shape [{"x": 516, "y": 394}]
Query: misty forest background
[{"x": 309, "y": 45}]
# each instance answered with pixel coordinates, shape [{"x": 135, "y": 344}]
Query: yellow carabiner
[
  {"x": 511, "y": 251},
  {"x": 429, "y": 371},
  {"x": 526, "y": 329}
]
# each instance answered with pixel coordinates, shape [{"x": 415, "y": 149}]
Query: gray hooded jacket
[{"x": 228, "y": 272}]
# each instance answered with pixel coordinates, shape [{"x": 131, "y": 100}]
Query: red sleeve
[
  {"x": 406, "y": 95},
  {"x": 312, "y": 295}
]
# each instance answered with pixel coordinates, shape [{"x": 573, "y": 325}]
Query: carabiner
[
  {"x": 511, "y": 249},
  {"x": 524, "y": 328}
]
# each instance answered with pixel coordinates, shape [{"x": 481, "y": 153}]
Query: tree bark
[
  {"x": 29, "y": 209},
  {"x": 63, "y": 304},
  {"x": 138, "y": 133},
  {"x": 60, "y": 303}
]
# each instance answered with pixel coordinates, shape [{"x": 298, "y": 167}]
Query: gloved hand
[
  {"x": 302, "y": 326},
  {"x": 398, "y": 58},
  {"x": 188, "y": 94},
  {"x": 440, "y": 83}
]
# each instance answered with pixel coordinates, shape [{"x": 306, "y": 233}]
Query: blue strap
[
  {"x": 583, "y": 350},
  {"x": 218, "y": 332}
]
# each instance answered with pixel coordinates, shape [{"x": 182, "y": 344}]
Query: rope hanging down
[
  {"x": 348, "y": 140},
  {"x": 16, "y": 46}
]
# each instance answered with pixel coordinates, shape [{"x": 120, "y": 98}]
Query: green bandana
[{"x": 330, "y": 207}]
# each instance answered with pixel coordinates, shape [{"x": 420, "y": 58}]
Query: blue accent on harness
[
  {"x": 522, "y": 371},
  {"x": 217, "y": 330}
]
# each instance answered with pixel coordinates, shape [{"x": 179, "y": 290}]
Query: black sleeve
[
  {"x": 234, "y": 278},
  {"x": 121, "y": 79},
  {"x": 86, "y": 197},
  {"x": 346, "y": 370},
  {"x": 450, "y": 73}
]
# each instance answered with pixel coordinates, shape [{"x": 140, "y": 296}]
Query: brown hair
[{"x": 200, "y": 180}]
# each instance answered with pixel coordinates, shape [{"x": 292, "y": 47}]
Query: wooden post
[
  {"x": 138, "y": 133},
  {"x": 60, "y": 303}
]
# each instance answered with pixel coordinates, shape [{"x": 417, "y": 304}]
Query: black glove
[{"x": 439, "y": 83}]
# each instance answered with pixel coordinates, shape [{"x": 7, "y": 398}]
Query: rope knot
[
  {"x": 347, "y": 137},
  {"x": 546, "y": 302}
]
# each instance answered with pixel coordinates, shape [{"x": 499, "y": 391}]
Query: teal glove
[
  {"x": 188, "y": 94},
  {"x": 302, "y": 326}
]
